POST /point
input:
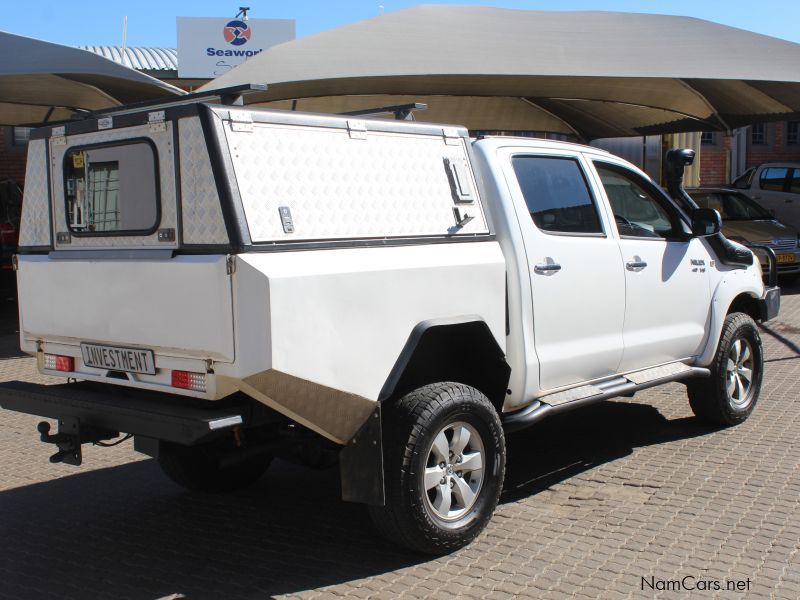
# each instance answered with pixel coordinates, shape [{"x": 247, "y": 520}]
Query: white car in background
[{"x": 776, "y": 187}]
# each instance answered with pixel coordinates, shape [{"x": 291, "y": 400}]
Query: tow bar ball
[{"x": 69, "y": 438}]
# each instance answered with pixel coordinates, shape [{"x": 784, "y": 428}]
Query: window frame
[
  {"x": 786, "y": 178},
  {"x": 114, "y": 144},
  {"x": 578, "y": 160},
  {"x": 762, "y": 131},
  {"x": 19, "y": 141},
  {"x": 792, "y": 125},
  {"x": 679, "y": 219}
]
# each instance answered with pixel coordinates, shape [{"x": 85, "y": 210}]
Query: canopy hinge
[
  {"x": 241, "y": 120},
  {"x": 451, "y": 137},
  {"x": 156, "y": 120},
  {"x": 59, "y": 136},
  {"x": 230, "y": 264},
  {"x": 357, "y": 129}
]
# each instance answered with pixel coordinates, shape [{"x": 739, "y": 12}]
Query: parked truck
[{"x": 227, "y": 284}]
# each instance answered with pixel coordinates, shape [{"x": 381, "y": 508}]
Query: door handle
[
  {"x": 635, "y": 265},
  {"x": 547, "y": 268},
  {"x": 788, "y": 200}
]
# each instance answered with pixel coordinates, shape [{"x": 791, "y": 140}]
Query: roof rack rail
[
  {"x": 233, "y": 96},
  {"x": 401, "y": 112}
]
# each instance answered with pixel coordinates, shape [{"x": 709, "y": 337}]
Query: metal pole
[{"x": 124, "y": 39}]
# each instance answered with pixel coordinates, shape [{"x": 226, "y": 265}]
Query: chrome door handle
[
  {"x": 635, "y": 265},
  {"x": 547, "y": 268}
]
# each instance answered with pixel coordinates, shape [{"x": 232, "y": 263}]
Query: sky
[{"x": 152, "y": 23}]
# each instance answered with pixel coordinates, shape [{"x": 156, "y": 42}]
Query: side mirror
[{"x": 705, "y": 222}]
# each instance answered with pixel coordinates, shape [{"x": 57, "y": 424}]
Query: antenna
[{"x": 242, "y": 13}]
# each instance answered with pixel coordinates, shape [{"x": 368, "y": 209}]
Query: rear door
[
  {"x": 577, "y": 280},
  {"x": 667, "y": 289},
  {"x": 114, "y": 274}
]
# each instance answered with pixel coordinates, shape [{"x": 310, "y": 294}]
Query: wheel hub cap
[
  {"x": 454, "y": 471},
  {"x": 739, "y": 372}
]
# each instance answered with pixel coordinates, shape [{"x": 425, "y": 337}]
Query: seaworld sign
[{"x": 209, "y": 47}]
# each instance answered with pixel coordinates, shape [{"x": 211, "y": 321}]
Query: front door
[
  {"x": 779, "y": 191},
  {"x": 577, "y": 280},
  {"x": 667, "y": 285}
]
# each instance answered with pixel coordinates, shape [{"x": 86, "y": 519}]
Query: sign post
[{"x": 209, "y": 46}]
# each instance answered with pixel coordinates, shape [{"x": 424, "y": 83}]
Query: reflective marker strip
[{"x": 226, "y": 422}]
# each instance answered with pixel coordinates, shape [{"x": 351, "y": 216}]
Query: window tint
[
  {"x": 794, "y": 182},
  {"x": 638, "y": 211},
  {"x": 731, "y": 206},
  {"x": 773, "y": 178},
  {"x": 112, "y": 189},
  {"x": 557, "y": 194}
]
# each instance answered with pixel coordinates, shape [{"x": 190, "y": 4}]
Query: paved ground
[{"x": 594, "y": 503}]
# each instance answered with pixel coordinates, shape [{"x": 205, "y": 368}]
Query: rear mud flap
[{"x": 361, "y": 464}]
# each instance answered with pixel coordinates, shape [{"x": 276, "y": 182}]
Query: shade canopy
[
  {"x": 42, "y": 82},
  {"x": 590, "y": 74}
]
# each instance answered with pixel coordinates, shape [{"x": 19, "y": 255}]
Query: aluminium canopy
[
  {"x": 593, "y": 74},
  {"x": 44, "y": 82}
]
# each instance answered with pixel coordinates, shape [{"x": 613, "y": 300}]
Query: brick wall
[
  {"x": 714, "y": 157},
  {"x": 714, "y": 160},
  {"x": 12, "y": 158},
  {"x": 775, "y": 147}
]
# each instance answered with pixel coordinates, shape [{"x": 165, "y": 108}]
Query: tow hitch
[{"x": 71, "y": 435}]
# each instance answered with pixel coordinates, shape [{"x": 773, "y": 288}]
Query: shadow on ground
[{"x": 128, "y": 532}]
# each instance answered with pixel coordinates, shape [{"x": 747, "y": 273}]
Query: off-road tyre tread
[
  {"x": 707, "y": 396},
  {"x": 407, "y": 423}
]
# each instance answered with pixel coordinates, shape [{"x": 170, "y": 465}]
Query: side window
[
  {"x": 639, "y": 210},
  {"x": 112, "y": 189},
  {"x": 773, "y": 178},
  {"x": 557, "y": 194},
  {"x": 794, "y": 182}
]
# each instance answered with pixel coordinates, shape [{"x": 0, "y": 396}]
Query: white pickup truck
[{"x": 229, "y": 284}]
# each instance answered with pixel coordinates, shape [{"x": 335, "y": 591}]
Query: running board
[{"x": 591, "y": 393}]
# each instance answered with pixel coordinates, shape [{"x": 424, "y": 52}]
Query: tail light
[
  {"x": 56, "y": 362},
  {"x": 189, "y": 381}
]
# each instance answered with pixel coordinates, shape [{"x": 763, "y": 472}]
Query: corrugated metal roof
[{"x": 142, "y": 59}]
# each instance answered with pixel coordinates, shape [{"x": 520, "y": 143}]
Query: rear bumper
[
  {"x": 769, "y": 304},
  {"x": 142, "y": 413}
]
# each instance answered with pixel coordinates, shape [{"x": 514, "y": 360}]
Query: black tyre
[
  {"x": 444, "y": 459},
  {"x": 730, "y": 394},
  {"x": 199, "y": 468}
]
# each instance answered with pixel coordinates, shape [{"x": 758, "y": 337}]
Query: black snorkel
[{"x": 727, "y": 252}]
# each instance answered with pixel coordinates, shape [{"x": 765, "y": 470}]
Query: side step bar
[{"x": 589, "y": 394}]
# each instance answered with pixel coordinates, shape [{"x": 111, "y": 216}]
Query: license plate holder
[{"x": 118, "y": 358}]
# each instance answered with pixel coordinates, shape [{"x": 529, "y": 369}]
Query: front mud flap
[{"x": 361, "y": 464}]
